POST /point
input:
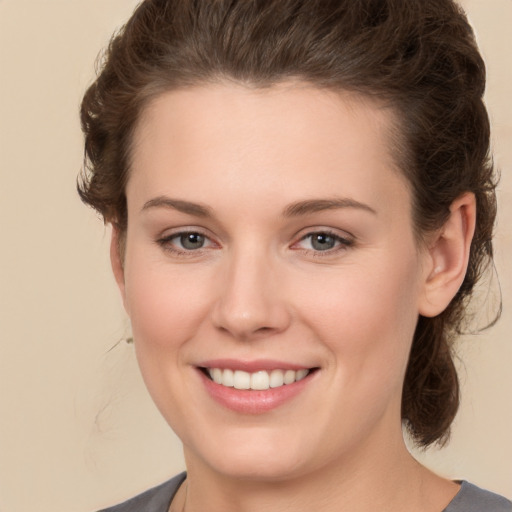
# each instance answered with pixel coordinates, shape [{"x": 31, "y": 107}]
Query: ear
[
  {"x": 117, "y": 259},
  {"x": 447, "y": 257}
]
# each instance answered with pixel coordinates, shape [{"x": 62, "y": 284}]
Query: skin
[{"x": 259, "y": 288}]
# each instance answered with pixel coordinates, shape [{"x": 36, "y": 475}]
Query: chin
[
  {"x": 259, "y": 456},
  {"x": 269, "y": 470}
]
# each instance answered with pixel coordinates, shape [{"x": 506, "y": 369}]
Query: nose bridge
[{"x": 250, "y": 302}]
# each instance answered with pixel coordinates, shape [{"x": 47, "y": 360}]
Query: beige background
[{"x": 77, "y": 429}]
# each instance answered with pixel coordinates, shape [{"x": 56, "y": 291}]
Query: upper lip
[{"x": 252, "y": 366}]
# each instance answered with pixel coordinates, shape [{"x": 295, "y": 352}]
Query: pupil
[
  {"x": 322, "y": 242},
  {"x": 192, "y": 241}
]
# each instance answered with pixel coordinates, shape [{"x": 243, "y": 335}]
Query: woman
[{"x": 302, "y": 202}]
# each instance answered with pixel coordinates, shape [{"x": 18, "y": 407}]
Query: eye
[
  {"x": 191, "y": 241},
  {"x": 185, "y": 241},
  {"x": 323, "y": 241}
]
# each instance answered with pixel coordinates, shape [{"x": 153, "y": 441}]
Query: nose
[{"x": 252, "y": 300}]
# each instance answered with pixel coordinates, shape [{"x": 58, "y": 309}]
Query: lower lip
[{"x": 252, "y": 401}]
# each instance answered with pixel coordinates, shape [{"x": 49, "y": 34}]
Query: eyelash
[
  {"x": 167, "y": 244},
  {"x": 341, "y": 243}
]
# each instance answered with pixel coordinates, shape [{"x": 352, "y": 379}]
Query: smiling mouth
[{"x": 258, "y": 381}]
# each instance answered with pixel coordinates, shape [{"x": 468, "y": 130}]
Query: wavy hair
[{"x": 419, "y": 56}]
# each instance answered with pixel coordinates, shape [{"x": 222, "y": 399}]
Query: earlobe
[
  {"x": 117, "y": 259},
  {"x": 448, "y": 256}
]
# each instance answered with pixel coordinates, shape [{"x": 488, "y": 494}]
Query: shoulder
[
  {"x": 471, "y": 498},
  {"x": 156, "y": 499}
]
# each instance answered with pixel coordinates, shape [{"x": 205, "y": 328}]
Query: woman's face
[{"x": 270, "y": 240}]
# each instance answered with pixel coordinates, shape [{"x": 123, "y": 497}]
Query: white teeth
[
  {"x": 217, "y": 375},
  {"x": 228, "y": 378},
  {"x": 276, "y": 378},
  {"x": 289, "y": 376},
  {"x": 241, "y": 380},
  {"x": 301, "y": 374},
  {"x": 260, "y": 380}
]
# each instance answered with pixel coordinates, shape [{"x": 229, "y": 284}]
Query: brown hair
[{"x": 418, "y": 56}]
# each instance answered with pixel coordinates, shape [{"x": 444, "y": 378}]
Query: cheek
[
  {"x": 367, "y": 319},
  {"x": 165, "y": 305},
  {"x": 166, "y": 308}
]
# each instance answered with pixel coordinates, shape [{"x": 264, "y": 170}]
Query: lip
[
  {"x": 251, "y": 401},
  {"x": 251, "y": 366}
]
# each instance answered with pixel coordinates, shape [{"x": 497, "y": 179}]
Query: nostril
[{"x": 264, "y": 329}]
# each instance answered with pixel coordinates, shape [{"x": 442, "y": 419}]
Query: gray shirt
[{"x": 470, "y": 498}]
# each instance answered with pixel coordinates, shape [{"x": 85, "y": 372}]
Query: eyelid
[
  {"x": 165, "y": 241},
  {"x": 344, "y": 241}
]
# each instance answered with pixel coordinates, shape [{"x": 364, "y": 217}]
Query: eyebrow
[
  {"x": 317, "y": 205},
  {"x": 293, "y": 210},
  {"x": 187, "y": 207}
]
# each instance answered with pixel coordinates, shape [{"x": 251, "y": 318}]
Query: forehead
[
  {"x": 295, "y": 136},
  {"x": 305, "y": 107}
]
